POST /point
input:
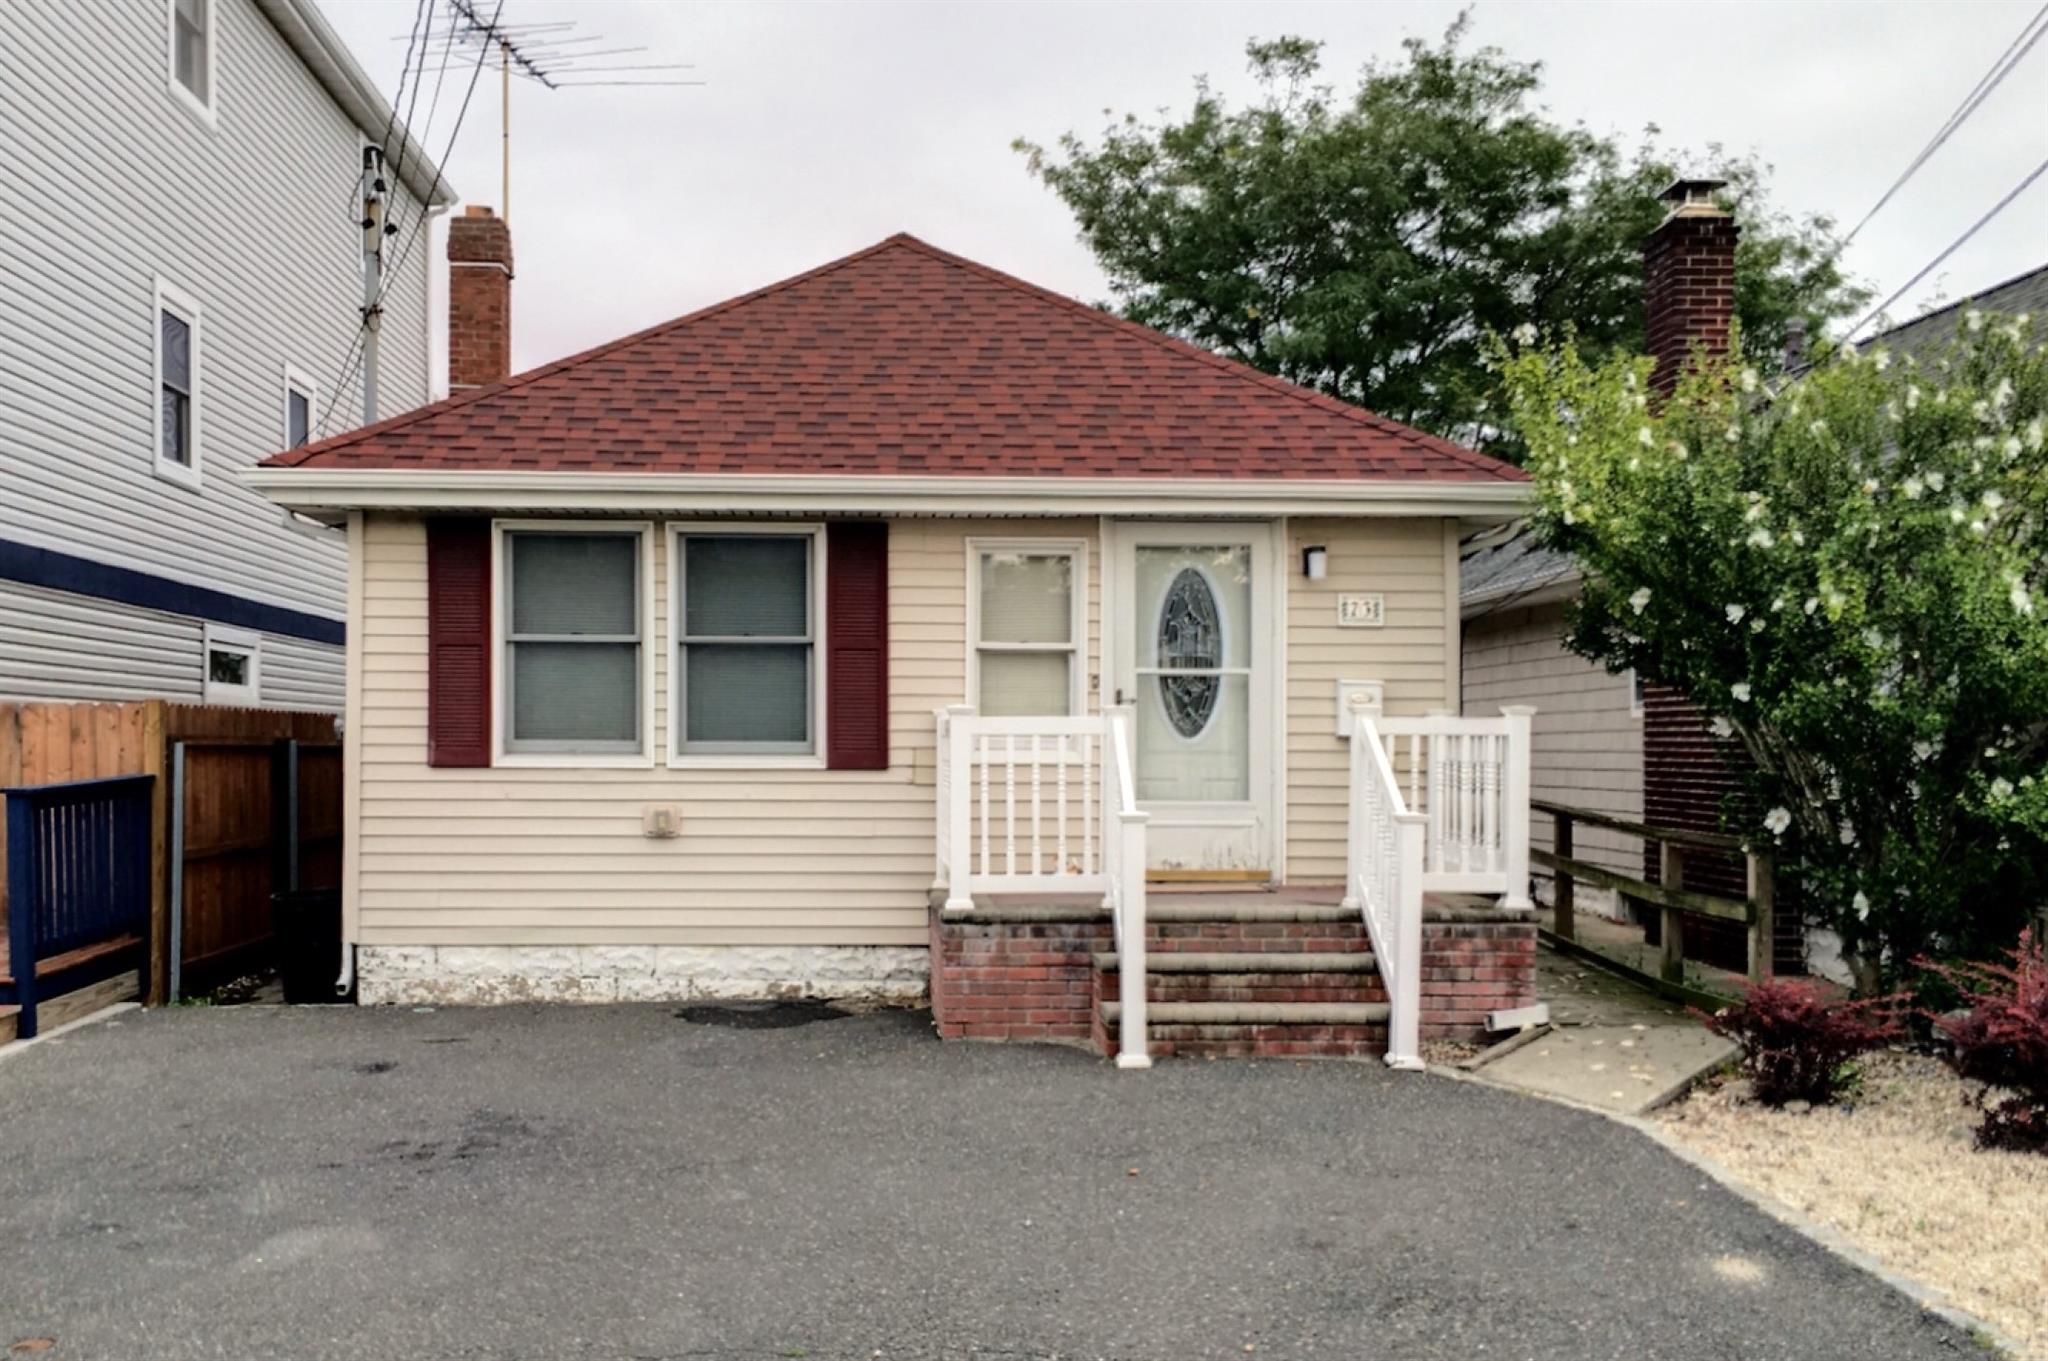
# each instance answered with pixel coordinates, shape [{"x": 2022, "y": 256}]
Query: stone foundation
[{"x": 482, "y": 975}]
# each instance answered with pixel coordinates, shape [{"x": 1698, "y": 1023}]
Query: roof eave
[
  {"x": 330, "y": 61},
  {"x": 329, "y": 491}
]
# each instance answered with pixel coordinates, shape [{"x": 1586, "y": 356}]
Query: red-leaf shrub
[
  {"x": 1797, "y": 1040},
  {"x": 2002, "y": 1042}
]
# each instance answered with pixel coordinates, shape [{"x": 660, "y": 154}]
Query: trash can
[{"x": 308, "y": 926}]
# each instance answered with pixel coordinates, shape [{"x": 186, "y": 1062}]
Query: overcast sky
[{"x": 824, "y": 127}]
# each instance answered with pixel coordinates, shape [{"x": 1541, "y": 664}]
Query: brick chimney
[
  {"x": 479, "y": 300},
  {"x": 1689, "y": 280}
]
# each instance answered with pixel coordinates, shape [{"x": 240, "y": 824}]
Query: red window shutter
[
  {"x": 857, "y": 645},
  {"x": 458, "y": 642}
]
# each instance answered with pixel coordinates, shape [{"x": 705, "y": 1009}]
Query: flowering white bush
[{"x": 1845, "y": 576}]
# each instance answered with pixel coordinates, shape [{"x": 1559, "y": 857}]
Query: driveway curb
[{"x": 1930, "y": 1298}]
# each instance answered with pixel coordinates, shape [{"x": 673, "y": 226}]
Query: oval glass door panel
[{"x": 1193, "y": 672}]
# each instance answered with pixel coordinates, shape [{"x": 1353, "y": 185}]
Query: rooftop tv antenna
[{"x": 550, "y": 54}]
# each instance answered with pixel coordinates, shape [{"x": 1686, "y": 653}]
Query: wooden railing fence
[{"x": 1755, "y": 911}]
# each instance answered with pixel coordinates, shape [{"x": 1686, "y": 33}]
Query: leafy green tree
[
  {"x": 1366, "y": 246},
  {"x": 1848, "y": 576}
]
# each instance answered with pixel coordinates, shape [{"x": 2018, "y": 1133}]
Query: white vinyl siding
[
  {"x": 57, "y": 645},
  {"x": 110, "y": 187}
]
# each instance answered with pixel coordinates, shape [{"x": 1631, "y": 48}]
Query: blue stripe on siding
[{"x": 81, "y": 576}]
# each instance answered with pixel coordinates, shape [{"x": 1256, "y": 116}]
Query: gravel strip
[{"x": 1897, "y": 1173}]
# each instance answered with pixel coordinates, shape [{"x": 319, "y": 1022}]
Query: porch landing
[{"x": 1278, "y": 972}]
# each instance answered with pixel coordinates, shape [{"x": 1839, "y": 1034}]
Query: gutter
[{"x": 325, "y": 492}]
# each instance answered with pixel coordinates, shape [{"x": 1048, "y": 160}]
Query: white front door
[{"x": 1190, "y": 632}]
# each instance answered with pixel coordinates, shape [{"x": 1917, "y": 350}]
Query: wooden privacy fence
[
  {"x": 233, "y": 804},
  {"x": 1755, "y": 912}
]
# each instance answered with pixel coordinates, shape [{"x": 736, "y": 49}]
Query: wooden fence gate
[{"x": 258, "y": 806}]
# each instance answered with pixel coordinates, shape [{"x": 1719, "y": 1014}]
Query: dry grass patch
[{"x": 1896, "y": 1171}]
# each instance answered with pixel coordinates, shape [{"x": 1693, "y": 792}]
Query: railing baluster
[
  {"x": 982, "y": 743},
  {"x": 1010, "y": 803},
  {"x": 1065, "y": 749},
  {"x": 1037, "y": 801},
  {"x": 1088, "y": 865}
]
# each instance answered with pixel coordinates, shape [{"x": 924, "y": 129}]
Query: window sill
[
  {"x": 194, "y": 105},
  {"x": 572, "y": 760},
  {"x": 184, "y": 474},
  {"x": 739, "y": 761}
]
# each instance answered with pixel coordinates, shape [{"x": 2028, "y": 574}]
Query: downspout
[{"x": 352, "y": 758}]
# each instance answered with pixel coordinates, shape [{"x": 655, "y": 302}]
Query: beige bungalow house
[{"x": 903, "y": 629}]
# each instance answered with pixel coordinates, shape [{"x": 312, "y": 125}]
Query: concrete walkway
[
  {"x": 1612, "y": 1045},
  {"x": 656, "y": 1182}
]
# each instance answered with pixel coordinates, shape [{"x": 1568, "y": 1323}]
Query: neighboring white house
[{"x": 180, "y": 295}]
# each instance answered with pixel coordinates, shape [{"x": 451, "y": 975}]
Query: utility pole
[{"x": 374, "y": 190}]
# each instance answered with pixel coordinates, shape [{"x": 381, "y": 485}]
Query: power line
[
  {"x": 2016, "y": 51},
  {"x": 1953, "y": 247}
]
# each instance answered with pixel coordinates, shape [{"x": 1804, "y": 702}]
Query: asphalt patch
[{"x": 762, "y": 1015}]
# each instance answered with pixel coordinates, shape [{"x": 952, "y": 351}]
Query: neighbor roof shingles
[{"x": 903, "y": 359}]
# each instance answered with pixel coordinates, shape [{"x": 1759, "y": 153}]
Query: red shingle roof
[{"x": 903, "y": 359}]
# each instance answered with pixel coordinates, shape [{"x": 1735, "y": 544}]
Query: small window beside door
[
  {"x": 300, "y": 393},
  {"x": 1028, "y": 610},
  {"x": 178, "y": 360},
  {"x": 192, "y": 53},
  {"x": 574, "y": 619}
]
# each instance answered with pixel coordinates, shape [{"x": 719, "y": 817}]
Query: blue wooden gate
[{"x": 78, "y": 887}]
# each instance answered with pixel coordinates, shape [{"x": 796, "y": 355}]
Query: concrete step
[
  {"x": 1237, "y": 962},
  {"x": 1256, "y": 1013}
]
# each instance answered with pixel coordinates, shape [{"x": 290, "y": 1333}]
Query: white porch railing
[
  {"x": 1470, "y": 778},
  {"x": 1470, "y": 834},
  {"x": 1048, "y": 805}
]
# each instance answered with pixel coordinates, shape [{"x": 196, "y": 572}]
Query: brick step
[
  {"x": 1269, "y": 1041},
  {"x": 1294, "y": 938},
  {"x": 1257, "y": 988},
  {"x": 1161, "y": 907},
  {"x": 1237, "y": 962},
  {"x": 1309, "y": 1014}
]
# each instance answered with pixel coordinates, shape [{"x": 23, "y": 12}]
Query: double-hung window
[
  {"x": 177, "y": 385},
  {"x": 573, "y": 617},
  {"x": 192, "y": 53},
  {"x": 747, "y": 624},
  {"x": 299, "y": 396},
  {"x": 1026, "y": 653}
]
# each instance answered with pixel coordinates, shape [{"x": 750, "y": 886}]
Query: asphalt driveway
[{"x": 531, "y": 1182}]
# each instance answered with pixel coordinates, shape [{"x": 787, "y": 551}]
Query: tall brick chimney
[
  {"x": 479, "y": 300},
  {"x": 1689, "y": 280}
]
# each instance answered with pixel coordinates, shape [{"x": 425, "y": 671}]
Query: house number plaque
[{"x": 1361, "y": 611}]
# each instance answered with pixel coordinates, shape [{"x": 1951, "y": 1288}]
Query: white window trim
[
  {"x": 168, "y": 297},
  {"x": 296, "y": 380},
  {"x": 500, "y": 720},
  {"x": 220, "y": 638},
  {"x": 204, "y": 109},
  {"x": 1636, "y": 693},
  {"x": 673, "y": 754},
  {"x": 1077, "y": 549}
]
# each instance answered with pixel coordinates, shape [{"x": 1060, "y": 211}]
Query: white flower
[
  {"x": 1734, "y": 433},
  {"x": 1974, "y": 319},
  {"x": 1847, "y": 832},
  {"x": 2001, "y": 788},
  {"x": 2001, "y": 396},
  {"x": 1776, "y": 821},
  {"x": 1922, "y": 750},
  {"x": 2037, "y": 432},
  {"x": 1882, "y": 360},
  {"x": 1748, "y": 380},
  {"x": 2021, "y": 601},
  {"x": 1641, "y": 599},
  {"x": 1645, "y": 438},
  {"x": 1760, "y": 537},
  {"x": 1756, "y": 625},
  {"x": 1812, "y": 603},
  {"x": 1862, "y": 906},
  {"x": 1912, "y": 487},
  {"x": 1872, "y": 639},
  {"x": 1936, "y": 480},
  {"x": 1993, "y": 500},
  {"x": 1525, "y": 334},
  {"x": 1912, "y": 396},
  {"x": 1870, "y": 486},
  {"x": 1723, "y": 729},
  {"x": 1741, "y": 692},
  {"x": 1735, "y": 613}
]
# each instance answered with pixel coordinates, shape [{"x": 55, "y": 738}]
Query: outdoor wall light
[{"x": 1315, "y": 562}]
